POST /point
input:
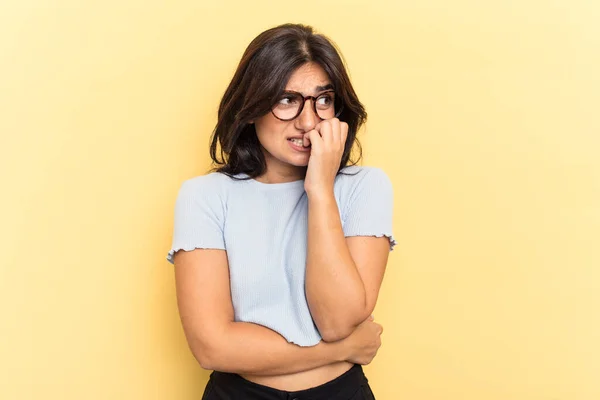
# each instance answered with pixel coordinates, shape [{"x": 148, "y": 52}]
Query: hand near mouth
[{"x": 327, "y": 142}]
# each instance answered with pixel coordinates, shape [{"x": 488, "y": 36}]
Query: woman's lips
[{"x": 295, "y": 145}]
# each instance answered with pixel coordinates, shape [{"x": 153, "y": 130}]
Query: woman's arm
[
  {"x": 219, "y": 343},
  {"x": 343, "y": 275}
]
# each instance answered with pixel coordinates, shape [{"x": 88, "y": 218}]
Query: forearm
[
  {"x": 334, "y": 289},
  {"x": 246, "y": 348}
]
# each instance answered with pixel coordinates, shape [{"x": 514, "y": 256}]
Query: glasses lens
[
  {"x": 287, "y": 106},
  {"x": 325, "y": 105}
]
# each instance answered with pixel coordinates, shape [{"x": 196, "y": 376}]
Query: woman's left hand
[{"x": 327, "y": 141}]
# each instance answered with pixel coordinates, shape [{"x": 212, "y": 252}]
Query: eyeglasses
[{"x": 290, "y": 105}]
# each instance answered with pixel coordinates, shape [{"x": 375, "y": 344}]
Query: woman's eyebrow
[
  {"x": 318, "y": 89},
  {"x": 323, "y": 88}
]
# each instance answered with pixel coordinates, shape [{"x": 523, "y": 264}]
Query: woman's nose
[{"x": 307, "y": 120}]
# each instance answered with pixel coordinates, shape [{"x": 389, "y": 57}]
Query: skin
[{"x": 342, "y": 279}]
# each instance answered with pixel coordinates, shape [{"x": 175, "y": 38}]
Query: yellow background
[{"x": 485, "y": 114}]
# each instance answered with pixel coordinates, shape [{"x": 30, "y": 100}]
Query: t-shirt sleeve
[
  {"x": 370, "y": 207},
  {"x": 199, "y": 218}
]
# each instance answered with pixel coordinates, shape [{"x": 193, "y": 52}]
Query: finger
[
  {"x": 371, "y": 317},
  {"x": 326, "y": 131},
  {"x": 318, "y": 127},
  {"x": 315, "y": 140},
  {"x": 344, "y": 133},
  {"x": 306, "y": 140},
  {"x": 336, "y": 130}
]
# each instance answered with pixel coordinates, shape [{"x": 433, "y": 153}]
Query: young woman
[{"x": 280, "y": 252}]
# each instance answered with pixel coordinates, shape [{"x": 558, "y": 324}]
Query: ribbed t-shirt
[{"x": 264, "y": 230}]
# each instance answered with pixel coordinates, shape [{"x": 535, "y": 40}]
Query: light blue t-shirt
[{"x": 264, "y": 228}]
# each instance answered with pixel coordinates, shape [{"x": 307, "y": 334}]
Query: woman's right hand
[{"x": 363, "y": 343}]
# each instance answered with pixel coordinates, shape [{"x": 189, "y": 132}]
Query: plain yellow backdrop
[{"x": 485, "y": 114}]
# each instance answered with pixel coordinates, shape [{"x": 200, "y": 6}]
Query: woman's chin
[{"x": 298, "y": 161}]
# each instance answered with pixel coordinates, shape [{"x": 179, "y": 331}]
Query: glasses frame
[{"x": 314, "y": 105}]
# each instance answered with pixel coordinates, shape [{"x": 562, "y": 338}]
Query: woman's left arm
[{"x": 343, "y": 274}]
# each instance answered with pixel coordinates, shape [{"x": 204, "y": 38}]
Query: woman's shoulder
[
  {"x": 211, "y": 178},
  {"x": 212, "y": 185},
  {"x": 362, "y": 184},
  {"x": 357, "y": 175},
  {"x": 210, "y": 181}
]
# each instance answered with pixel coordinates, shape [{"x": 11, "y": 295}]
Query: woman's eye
[
  {"x": 287, "y": 100},
  {"x": 325, "y": 100}
]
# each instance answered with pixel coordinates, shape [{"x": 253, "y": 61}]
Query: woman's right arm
[{"x": 219, "y": 343}]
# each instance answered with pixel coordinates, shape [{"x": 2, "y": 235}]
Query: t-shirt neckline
[{"x": 280, "y": 185}]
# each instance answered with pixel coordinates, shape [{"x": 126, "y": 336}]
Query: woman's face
[{"x": 282, "y": 140}]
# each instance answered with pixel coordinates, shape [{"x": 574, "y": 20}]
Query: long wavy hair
[{"x": 259, "y": 81}]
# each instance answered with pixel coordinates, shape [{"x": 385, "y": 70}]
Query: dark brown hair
[{"x": 259, "y": 81}]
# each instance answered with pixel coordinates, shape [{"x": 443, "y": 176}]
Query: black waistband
[{"x": 233, "y": 386}]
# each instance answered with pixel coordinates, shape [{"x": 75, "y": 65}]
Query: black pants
[{"x": 352, "y": 385}]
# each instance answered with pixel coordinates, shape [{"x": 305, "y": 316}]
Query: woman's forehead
[{"x": 310, "y": 78}]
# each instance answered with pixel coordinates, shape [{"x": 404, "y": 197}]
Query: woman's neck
[{"x": 283, "y": 174}]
